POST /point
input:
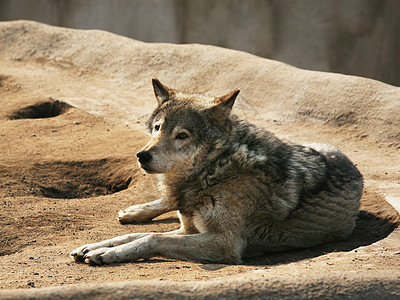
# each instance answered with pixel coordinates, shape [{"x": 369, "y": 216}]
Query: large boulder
[{"x": 270, "y": 89}]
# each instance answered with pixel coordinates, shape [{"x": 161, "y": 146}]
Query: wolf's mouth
[{"x": 147, "y": 169}]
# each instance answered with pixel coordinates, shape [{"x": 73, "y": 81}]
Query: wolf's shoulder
[
  {"x": 248, "y": 133},
  {"x": 257, "y": 141}
]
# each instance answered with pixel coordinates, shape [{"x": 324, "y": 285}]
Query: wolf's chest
[{"x": 190, "y": 204}]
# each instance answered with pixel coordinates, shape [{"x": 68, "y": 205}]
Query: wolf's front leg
[
  {"x": 145, "y": 212},
  {"x": 79, "y": 253},
  {"x": 201, "y": 247}
]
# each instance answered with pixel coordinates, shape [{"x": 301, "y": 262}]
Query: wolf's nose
[{"x": 144, "y": 157}]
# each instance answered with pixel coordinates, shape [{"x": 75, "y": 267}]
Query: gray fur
[{"x": 239, "y": 190}]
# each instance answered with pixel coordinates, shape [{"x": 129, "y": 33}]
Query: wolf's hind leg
[{"x": 145, "y": 212}]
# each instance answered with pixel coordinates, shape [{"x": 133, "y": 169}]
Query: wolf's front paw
[
  {"x": 134, "y": 214},
  {"x": 100, "y": 256},
  {"x": 79, "y": 253}
]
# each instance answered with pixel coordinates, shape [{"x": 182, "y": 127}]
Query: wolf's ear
[
  {"x": 225, "y": 103},
  {"x": 163, "y": 94}
]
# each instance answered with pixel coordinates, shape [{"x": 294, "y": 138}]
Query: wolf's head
[{"x": 183, "y": 129}]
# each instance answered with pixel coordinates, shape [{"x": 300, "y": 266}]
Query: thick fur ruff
[{"x": 240, "y": 190}]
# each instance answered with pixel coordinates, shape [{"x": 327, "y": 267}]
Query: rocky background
[{"x": 358, "y": 37}]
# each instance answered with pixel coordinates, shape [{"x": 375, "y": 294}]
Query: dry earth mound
[{"x": 73, "y": 108}]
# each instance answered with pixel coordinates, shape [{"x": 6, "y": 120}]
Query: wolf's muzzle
[{"x": 144, "y": 157}]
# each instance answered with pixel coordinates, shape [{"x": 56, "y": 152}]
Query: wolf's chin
[{"x": 149, "y": 171}]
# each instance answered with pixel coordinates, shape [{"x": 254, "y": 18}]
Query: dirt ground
[
  {"x": 69, "y": 139},
  {"x": 65, "y": 174}
]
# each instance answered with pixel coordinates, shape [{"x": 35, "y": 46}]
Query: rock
[{"x": 279, "y": 91}]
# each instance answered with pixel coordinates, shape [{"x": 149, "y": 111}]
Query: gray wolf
[{"x": 239, "y": 190}]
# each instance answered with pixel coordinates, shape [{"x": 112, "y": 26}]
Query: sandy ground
[{"x": 65, "y": 173}]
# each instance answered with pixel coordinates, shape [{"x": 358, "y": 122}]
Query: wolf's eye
[
  {"x": 157, "y": 127},
  {"x": 182, "y": 136}
]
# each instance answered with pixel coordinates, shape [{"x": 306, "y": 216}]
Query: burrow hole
[
  {"x": 47, "y": 109},
  {"x": 68, "y": 179}
]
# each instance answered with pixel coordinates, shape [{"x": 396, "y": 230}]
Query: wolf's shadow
[{"x": 369, "y": 229}]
